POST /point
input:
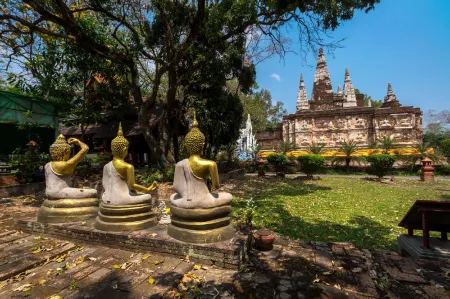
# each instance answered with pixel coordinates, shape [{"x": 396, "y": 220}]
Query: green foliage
[
  {"x": 154, "y": 174},
  {"x": 157, "y": 174},
  {"x": 277, "y": 159},
  {"x": 367, "y": 99},
  {"x": 29, "y": 163},
  {"x": 386, "y": 143},
  {"x": 434, "y": 139},
  {"x": 380, "y": 164},
  {"x": 73, "y": 285},
  {"x": 422, "y": 149},
  {"x": 285, "y": 146},
  {"x": 311, "y": 164},
  {"x": 443, "y": 170},
  {"x": 262, "y": 112},
  {"x": 316, "y": 148},
  {"x": 348, "y": 148},
  {"x": 444, "y": 148},
  {"x": 244, "y": 217}
]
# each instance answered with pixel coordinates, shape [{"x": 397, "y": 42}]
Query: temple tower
[
  {"x": 349, "y": 91},
  {"x": 302, "y": 100},
  {"x": 322, "y": 92},
  {"x": 390, "y": 100}
]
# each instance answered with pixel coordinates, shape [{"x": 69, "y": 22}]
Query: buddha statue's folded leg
[
  {"x": 141, "y": 198},
  {"x": 75, "y": 193}
]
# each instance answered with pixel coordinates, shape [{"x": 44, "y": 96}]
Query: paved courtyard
[{"x": 36, "y": 266}]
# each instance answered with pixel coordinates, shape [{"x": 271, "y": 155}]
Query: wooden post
[
  {"x": 410, "y": 232},
  {"x": 444, "y": 236},
  {"x": 426, "y": 230}
]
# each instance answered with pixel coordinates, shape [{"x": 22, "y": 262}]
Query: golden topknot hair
[
  {"x": 59, "y": 148},
  {"x": 119, "y": 144},
  {"x": 195, "y": 139}
]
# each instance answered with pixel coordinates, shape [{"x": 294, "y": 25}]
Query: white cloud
[{"x": 276, "y": 77}]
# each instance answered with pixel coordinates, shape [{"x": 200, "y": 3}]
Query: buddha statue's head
[
  {"x": 60, "y": 149},
  {"x": 195, "y": 140},
  {"x": 119, "y": 145}
]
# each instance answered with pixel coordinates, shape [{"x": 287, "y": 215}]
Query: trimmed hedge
[
  {"x": 380, "y": 164},
  {"x": 311, "y": 163},
  {"x": 279, "y": 161}
]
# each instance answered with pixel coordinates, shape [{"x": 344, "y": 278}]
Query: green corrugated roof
[{"x": 14, "y": 106}]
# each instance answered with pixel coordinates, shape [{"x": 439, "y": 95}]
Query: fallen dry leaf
[{"x": 26, "y": 287}]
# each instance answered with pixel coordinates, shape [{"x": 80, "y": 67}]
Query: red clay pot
[{"x": 264, "y": 239}]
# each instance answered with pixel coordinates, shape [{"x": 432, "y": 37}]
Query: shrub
[
  {"x": 291, "y": 169},
  {"x": 444, "y": 147},
  {"x": 443, "y": 170},
  {"x": 380, "y": 164},
  {"x": 279, "y": 161},
  {"x": 86, "y": 168},
  {"x": 311, "y": 164},
  {"x": 29, "y": 163}
]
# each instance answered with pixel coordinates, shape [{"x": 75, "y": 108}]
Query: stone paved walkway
[{"x": 36, "y": 266}]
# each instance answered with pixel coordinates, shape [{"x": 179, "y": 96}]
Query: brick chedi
[{"x": 330, "y": 118}]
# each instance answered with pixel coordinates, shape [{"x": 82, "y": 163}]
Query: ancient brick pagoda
[{"x": 330, "y": 117}]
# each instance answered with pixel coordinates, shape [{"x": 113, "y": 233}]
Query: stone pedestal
[
  {"x": 201, "y": 225},
  {"x": 427, "y": 177},
  {"x": 125, "y": 217},
  {"x": 67, "y": 210}
]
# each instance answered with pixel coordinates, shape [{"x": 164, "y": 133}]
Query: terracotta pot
[{"x": 264, "y": 239}]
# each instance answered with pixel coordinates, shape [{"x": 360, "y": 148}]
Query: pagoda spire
[
  {"x": 390, "y": 100},
  {"x": 322, "y": 83},
  {"x": 349, "y": 91},
  {"x": 339, "y": 91},
  {"x": 302, "y": 100}
]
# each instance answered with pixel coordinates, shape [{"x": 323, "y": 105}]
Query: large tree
[
  {"x": 152, "y": 40},
  {"x": 263, "y": 113}
]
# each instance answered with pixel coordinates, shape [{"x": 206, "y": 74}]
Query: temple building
[{"x": 330, "y": 118}]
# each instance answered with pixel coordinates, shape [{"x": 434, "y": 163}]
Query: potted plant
[{"x": 264, "y": 239}]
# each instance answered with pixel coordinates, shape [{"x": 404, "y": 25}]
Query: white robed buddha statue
[
  {"x": 125, "y": 205},
  {"x": 198, "y": 215},
  {"x": 65, "y": 203}
]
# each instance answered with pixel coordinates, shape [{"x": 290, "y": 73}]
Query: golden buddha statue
[
  {"x": 198, "y": 216},
  {"x": 123, "y": 205},
  {"x": 65, "y": 203}
]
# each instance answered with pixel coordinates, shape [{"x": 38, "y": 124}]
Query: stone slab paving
[{"x": 39, "y": 266}]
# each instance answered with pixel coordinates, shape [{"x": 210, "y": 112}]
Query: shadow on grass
[
  {"x": 445, "y": 196},
  {"x": 273, "y": 214}
]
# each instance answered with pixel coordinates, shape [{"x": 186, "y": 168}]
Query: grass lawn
[{"x": 365, "y": 213}]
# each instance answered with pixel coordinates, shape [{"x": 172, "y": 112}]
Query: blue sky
[{"x": 405, "y": 42}]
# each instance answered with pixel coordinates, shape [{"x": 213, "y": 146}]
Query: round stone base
[
  {"x": 125, "y": 218},
  {"x": 201, "y": 236},
  {"x": 201, "y": 225},
  {"x": 67, "y": 210}
]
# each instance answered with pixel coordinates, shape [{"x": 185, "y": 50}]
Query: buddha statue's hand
[
  {"x": 79, "y": 143},
  {"x": 153, "y": 186},
  {"x": 73, "y": 140}
]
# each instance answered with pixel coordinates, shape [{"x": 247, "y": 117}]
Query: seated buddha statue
[
  {"x": 198, "y": 215},
  {"x": 65, "y": 203},
  {"x": 124, "y": 205}
]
